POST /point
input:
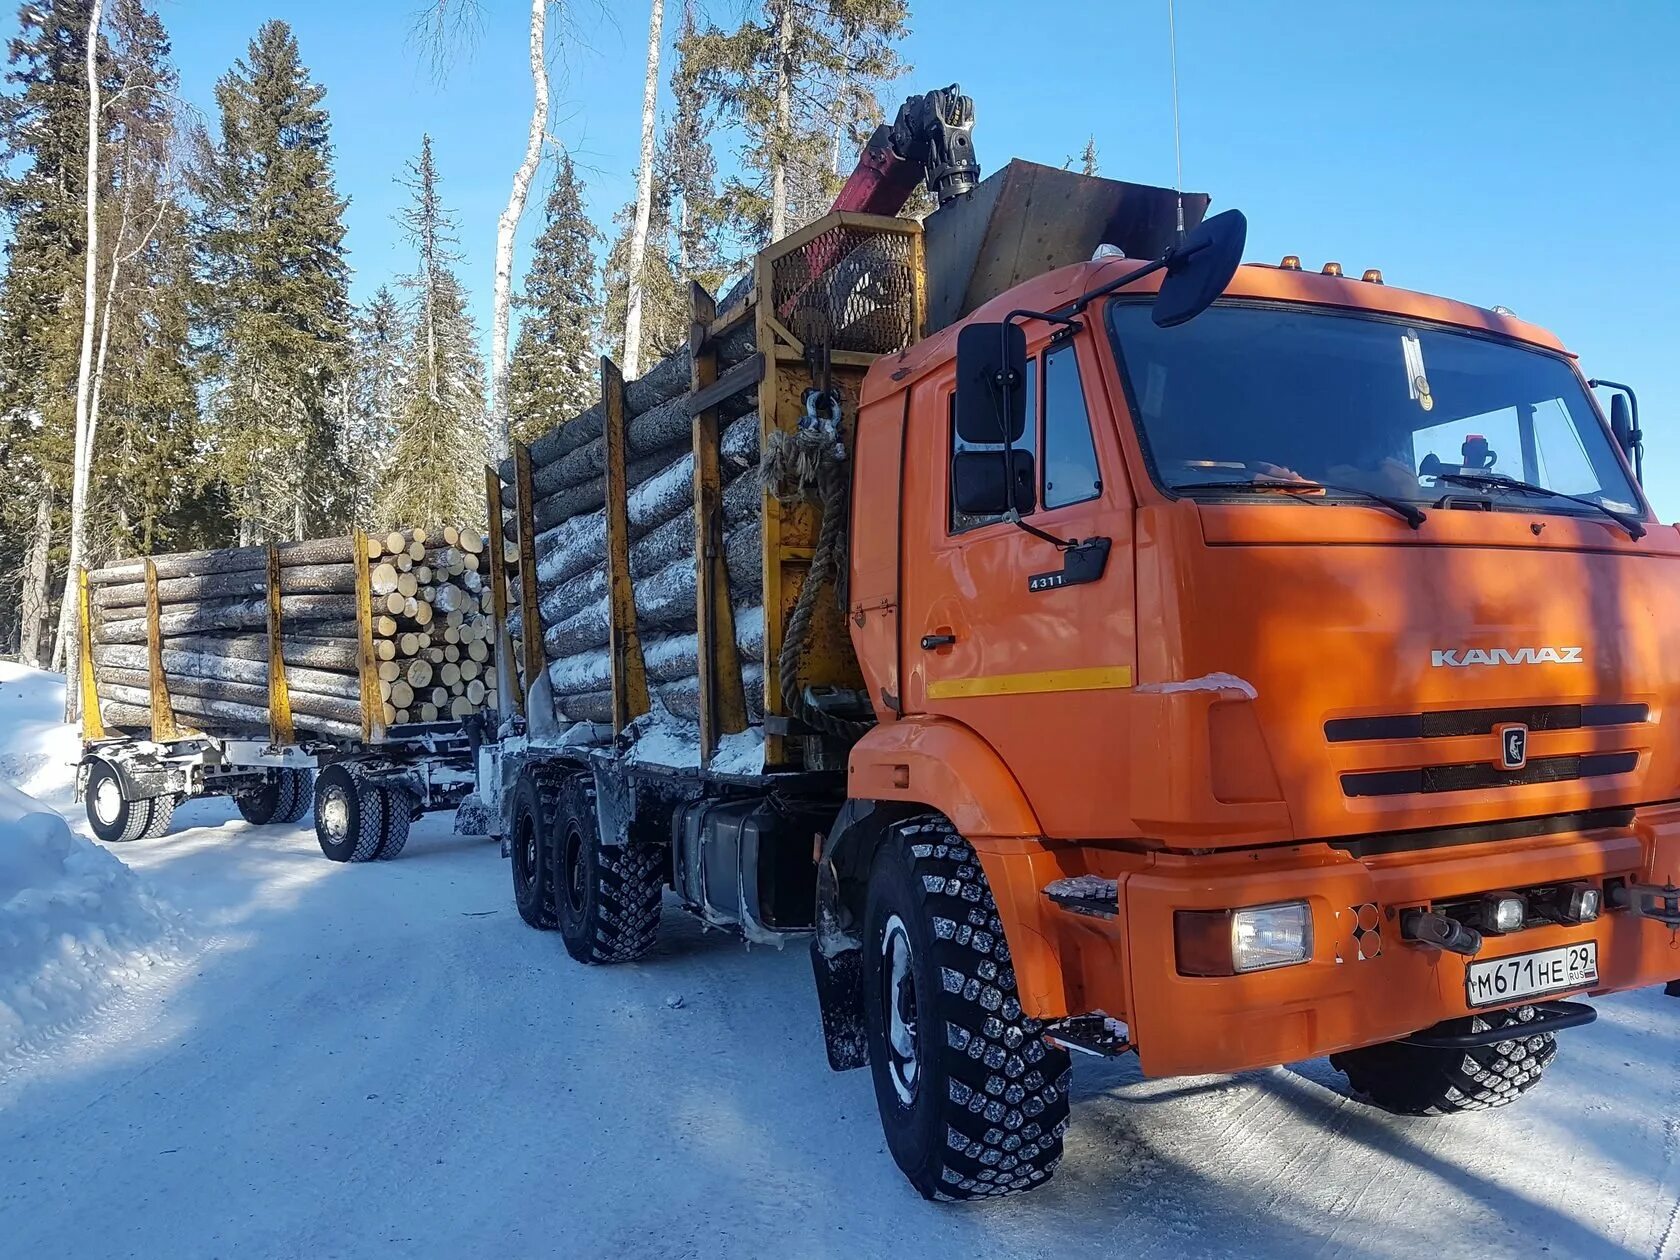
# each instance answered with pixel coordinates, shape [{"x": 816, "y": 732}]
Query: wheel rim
[
  {"x": 525, "y": 852},
  {"x": 898, "y": 1009},
  {"x": 334, "y": 814},
  {"x": 107, "y": 801},
  {"x": 574, "y": 866}
]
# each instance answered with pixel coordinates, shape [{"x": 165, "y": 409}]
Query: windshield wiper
[
  {"x": 1413, "y": 516},
  {"x": 1492, "y": 481}
]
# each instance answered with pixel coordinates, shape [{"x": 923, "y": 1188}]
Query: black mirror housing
[
  {"x": 1621, "y": 423},
  {"x": 979, "y": 486},
  {"x": 1199, "y": 270},
  {"x": 986, "y": 353}
]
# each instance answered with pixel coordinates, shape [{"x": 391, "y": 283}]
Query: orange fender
[{"x": 944, "y": 765}]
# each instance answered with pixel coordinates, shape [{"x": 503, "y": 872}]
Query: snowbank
[
  {"x": 76, "y": 925},
  {"x": 38, "y": 752}
]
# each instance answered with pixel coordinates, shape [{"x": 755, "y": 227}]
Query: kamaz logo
[{"x": 1458, "y": 658}]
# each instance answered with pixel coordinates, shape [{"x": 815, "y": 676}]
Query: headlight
[{"x": 1230, "y": 942}]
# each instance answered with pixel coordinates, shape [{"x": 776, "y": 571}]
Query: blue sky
[{"x": 1524, "y": 153}]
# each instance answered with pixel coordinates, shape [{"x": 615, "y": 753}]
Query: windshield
[{"x": 1404, "y": 410}]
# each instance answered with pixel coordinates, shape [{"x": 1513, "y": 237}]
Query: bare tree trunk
[
  {"x": 842, "y": 116},
  {"x": 784, "y": 122},
  {"x": 644, "y": 201},
  {"x": 34, "y": 611},
  {"x": 508, "y": 228},
  {"x": 67, "y": 644}
]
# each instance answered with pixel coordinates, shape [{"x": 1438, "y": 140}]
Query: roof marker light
[
  {"x": 1291, "y": 262},
  {"x": 1372, "y": 276},
  {"x": 1332, "y": 269}
]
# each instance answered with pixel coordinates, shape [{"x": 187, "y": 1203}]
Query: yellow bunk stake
[
  {"x": 530, "y": 620},
  {"x": 501, "y": 655},
  {"x": 723, "y": 702},
  {"x": 279, "y": 698},
  {"x": 373, "y": 711},
  {"x": 624, "y": 646},
  {"x": 163, "y": 712},
  {"x": 93, "y": 723}
]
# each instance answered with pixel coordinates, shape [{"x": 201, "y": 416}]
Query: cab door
[{"x": 995, "y": 636}]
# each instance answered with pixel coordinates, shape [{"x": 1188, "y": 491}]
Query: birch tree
[
  {"x": 644, "y": 199},
  {"x": 69, "y": 648}
]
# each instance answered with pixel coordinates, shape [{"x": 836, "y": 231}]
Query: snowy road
[{"x": 383, "y": 1060}]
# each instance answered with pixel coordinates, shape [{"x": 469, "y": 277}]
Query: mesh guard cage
[{"x": 852, "y": 287}]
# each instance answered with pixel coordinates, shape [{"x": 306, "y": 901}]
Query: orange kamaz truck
[{"x": 1111, "y": 649}]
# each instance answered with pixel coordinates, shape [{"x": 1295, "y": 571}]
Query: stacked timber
[
  {"x": 569, "y": 521},
  {"x": 433, "y": 633},
  {"x": 207, "y": 652}
]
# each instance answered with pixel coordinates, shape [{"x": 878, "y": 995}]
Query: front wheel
[
  {"x": 1434, "y": 1081},
  {"x": 973, "y": 1100}
]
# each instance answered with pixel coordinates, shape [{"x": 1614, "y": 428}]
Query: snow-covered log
[
  {"x": 127, "y": 656},
  {"x": 225, "y": 560},
  {"x": 329, "y": 645},
  {"x": 215, "y": 615},
  {"x": 307, "y": 579},
  {"x": 117, "y": 683}
]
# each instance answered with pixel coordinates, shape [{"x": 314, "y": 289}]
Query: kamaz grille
[
  {"x": 1441, "y": 725},
  {"x": 1478, "y": 775}
]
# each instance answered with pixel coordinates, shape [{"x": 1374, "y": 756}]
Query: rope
[{"x": 810, "y": 464}]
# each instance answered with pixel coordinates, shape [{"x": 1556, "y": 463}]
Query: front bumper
[{"x": 1362, "y": 985}]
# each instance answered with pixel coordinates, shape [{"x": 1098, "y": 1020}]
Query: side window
[
  {"x": 960, "y": 521},
  {"x": 1071, "y": 474}
]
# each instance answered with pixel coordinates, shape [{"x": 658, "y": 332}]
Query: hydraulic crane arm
[{"x": 932, "y": 137}]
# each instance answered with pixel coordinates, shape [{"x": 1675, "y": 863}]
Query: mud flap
[{"x": 840, "y": 995}]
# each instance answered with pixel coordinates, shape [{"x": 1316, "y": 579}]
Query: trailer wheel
[
  {"x": 296, "y": 802},
  {"x": 349, "y": 815},
  {"x": 260, "y": 805},
  {"x": 536, "y": 807},
  {"x": 973, "y": 1100},
  {"x": 113, "y": 815},
  {"x": 1432, "y": 1081},
  {"x": 398, "y": 813},
  {"x": 163, "y": 813},
  {"x": 607, "y": 900}
]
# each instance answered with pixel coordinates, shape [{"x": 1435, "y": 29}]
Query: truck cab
[{"x": 1308, "y": 692}]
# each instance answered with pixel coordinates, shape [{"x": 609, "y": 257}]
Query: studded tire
[
  {"x": 349, "y": 815},
  {"x": 974, "y": 1101},
  {"x": 1430, "y": 1081},
  {"x": 606, "y": 899},
  {"x": 163, "y": 814}
]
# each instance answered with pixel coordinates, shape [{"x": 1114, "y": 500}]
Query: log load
[{"x": 425, "y": 591}]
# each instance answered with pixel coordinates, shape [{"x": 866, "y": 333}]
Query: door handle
[{"x": 932, "y": 641}]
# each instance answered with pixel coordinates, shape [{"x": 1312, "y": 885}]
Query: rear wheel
[
  {"x": 607, "y": 900},
  {"x": 972, "y": 1099},
  {"x": 398, "y": 815},
  {"x": 259, "y": 804},
  {"x": 113, "y": 815},
  {"x": 535, "y": 805},
  {"x": 298, "y": 795},
  {"x": 349, "y": 815},
  {"x": 1432, "y": 1081},
  {"x": 163, "y": 814}
]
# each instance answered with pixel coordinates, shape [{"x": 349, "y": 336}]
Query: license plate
[{"x": 1501, "y": 980}]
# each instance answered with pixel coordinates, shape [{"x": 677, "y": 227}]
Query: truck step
[{"x": 1090, "y": 895}]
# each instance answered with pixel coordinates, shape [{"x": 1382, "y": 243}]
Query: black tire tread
[
  {"x": 370, "y": 815},
  {"x": 542, "y": 915},
  {"x": 397, "y": 813},
  {"x": 1007, "y": 1103},
  {"x": 622, "y": 915},
  {"x": 161, "y": 816},
  {"x": 297, "y": 795},
  {"x": 1430, "y": 1081}
]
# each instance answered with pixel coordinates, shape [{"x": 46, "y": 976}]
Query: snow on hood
[
  {"x": 76, "y": 925},
  {"x": 1207, "y": 682}
]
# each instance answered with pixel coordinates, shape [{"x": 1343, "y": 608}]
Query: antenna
[{"x": 1178, "y": 150}]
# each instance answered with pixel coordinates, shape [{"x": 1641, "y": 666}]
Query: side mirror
[
  {"x": 1199, "y": 269},
  {"x": 1621, "y": 423},
  {"x": 978, "y": 486},
  {"x": 987, "y": 355}
]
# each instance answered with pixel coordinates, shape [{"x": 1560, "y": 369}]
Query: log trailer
[
  {"x": 267, "y": 674},
  {"x": 1227, "y": 664}
]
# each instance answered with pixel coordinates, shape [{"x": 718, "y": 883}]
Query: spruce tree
[
  {"x": 371, "y": 402},
  {"x": 438, "y": 455},
  {"x": 664, "y": 293},
  {"x": 781, "y": 79},
  {"x": 275, "y": 310},
  {"x": 688, "y": 170},
  {"x": 554, "y": 373}
]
